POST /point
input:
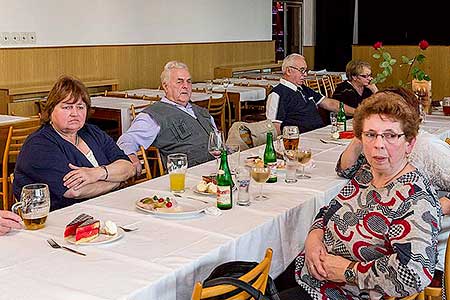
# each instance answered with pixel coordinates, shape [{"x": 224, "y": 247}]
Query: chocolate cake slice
[
  {"x": 87, "y": 231},
  {"x": 72, "y": 226}
]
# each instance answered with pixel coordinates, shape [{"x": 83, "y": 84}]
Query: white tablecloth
[
  {"x": 164, "y": 258},
  {"x": 246, "y": 93},
  {"x": 244, "y": 81},
  {"x": 6, "y": 119},
  {"x": 120, "y": 104}
]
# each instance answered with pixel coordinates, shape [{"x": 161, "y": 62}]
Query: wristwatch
[{"x": 350, "y": 273}]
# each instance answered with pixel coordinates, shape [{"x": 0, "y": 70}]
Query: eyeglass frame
[
  {"x": 390, "y": 140},
  {"x": 303, "y": 71},
  {"x": 365, "y": 76}
]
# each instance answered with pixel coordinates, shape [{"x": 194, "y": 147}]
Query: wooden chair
[
  {"x": 151, "y": 98},
  {"x": 327, "y": 86},
  {"x": 152, "y": 153},
  {"x": 217, "y": 108},
  {"x": 258, "y": 275},
  {"x": 335, "y": 80},
  {"x": 313, "y": 83},
  {"x": 447, "y": 140},
  {"x": 14, "y": 141},
  {"x": 115, "y": 94}
]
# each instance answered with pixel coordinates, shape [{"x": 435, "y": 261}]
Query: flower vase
[{"x": 422, "y": 88}]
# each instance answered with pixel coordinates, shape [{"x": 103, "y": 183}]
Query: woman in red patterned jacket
[{"x": 379, "y": 235}]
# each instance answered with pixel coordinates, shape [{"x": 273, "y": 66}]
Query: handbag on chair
[{"x": 242, "y": 285}]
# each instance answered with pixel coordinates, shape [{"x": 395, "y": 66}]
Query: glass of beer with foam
[
  {"x": 290, "y": 137},
  {"x": 34, "y": 205}
]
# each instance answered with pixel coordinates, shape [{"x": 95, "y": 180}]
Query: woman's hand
[
  {"x": 8, "y": 221},
  {"x": 334, "y": 266},
  {"x": 81, "y": 176},
  {"x": 314, "y": 248}
]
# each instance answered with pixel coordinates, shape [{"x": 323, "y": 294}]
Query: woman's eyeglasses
[
  {"x": 366, "y": 76},
  {"x": 388, "y": 137}
]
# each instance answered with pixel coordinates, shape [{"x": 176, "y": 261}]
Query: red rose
[
  {"x": 423, "y": 44},
  {"x": 378, "y": 45}
]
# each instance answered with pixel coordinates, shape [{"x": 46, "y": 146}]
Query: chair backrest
[
  {"x": 14, "y": 141},
  {"x": 151, "y": 154},
  {"x": 151, "y": 98},
  {"x": 258, "y": 275},
  {"x": 327, "y": 86},
  {"x": 216, "y": 108},
  {"x": 115, "y": 94},
  {"x": 313, "y": 84}
]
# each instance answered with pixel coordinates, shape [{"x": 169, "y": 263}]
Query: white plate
[
  {"x": 186, "y": 208},
  {"x": 101, "y": 239},
  {"x": 203, "y": 193}
]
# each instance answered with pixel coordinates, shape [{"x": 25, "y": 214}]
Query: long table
[{"x": 165, "y": 257}]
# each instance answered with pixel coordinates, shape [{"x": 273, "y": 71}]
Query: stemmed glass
[
  {"x": 215, "y": 145},
  {"x": 233, "y": 152},
  {"x": 225, "y": 83},
  {"x": 304, "y": 156},
  {"x": 260, "y": 175}
]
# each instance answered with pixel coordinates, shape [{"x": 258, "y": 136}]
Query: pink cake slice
[
  {"x": 87, "y": 231},
  {"x": 72, "y": 226}
]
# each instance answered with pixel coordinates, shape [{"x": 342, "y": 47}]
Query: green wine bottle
[
  {"x": 270, "y": 158},
  {"x": 341, "y": 119},
  {"x": 224, "y": 183}
]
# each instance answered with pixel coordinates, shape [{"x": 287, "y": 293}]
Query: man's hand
[
  {"x": 8, "y": 221},
  {"x": 136, "y": 163},
  {"x": 445, "y": 205}
]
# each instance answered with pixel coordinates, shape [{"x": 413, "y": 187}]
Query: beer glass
[
  {"x": 290, "y": 137},
  {"x": 177, "y": 164},
  {"x": 446, "y": 106},
  {"x": 34, "y": 205}
]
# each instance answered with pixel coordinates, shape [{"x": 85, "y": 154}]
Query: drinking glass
[
  {"x": 177, "y": 164},
  {"x": 290, "y": 137},
  {"x": 34, "y": 205},
  {"x": 260, "y": 175},
  {"x": 234, "y": 156},
  {"x": 209, "y": 87},
  {"x": 243, "y": 183},
  {"x": 304, "y": 156},
  {"x": 333, "y": 122},
  {"x": 290, "y": 157},
  {"x": 446, "y": 106},
  {"x": 215, "y": 145}
]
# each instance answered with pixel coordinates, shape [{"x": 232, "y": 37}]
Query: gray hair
[
  {"x": 165, "y": 75},
  {"x": 288, "y": 61}
]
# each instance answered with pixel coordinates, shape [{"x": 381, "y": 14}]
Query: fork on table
[{"x": 55, "y": 245}]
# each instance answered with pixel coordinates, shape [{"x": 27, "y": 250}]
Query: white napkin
[{"x": 213, "y": 211}]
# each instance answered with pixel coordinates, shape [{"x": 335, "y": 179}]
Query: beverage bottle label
[
  {"x": 273, "y": 171},
  {"x": 223, "y": 195}
]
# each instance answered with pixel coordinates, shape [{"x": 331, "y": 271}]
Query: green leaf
[
  {"x": 405, "y": 59},
  {"x": 420, "y": 58},
  {"x": 420, "y": 75},
  {"x": 393, "y": 61},
  {"x": 386, "y": 56},
  {"x": 385, "y": 73},
  {"x": 389, "y": 68},
  {"x": 376, "y": 55},
  {"x": 427, "y": 78},
  {"x": 414, "y": 70},
  {"x": 382, "y": 79},
  {"x": 384, "y": 64}
]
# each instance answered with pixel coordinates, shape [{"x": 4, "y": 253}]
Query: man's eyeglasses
[
  {"x": 388, "y": 137},
  {"x": 366, "y": 76},
  {"x": 301, "y": 70}
]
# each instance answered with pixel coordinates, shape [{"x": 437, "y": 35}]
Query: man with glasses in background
[
  {"x": 292, "y": 103},
  {"x": 358, "y": 85}
]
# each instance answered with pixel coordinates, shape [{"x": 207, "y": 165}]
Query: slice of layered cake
[
  {"x": 87, "y": 231},
  {"x": 72, "y": 226}
]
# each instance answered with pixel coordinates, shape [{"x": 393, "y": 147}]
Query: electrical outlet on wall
[
  {"x": 15, "y": 38},
  {"x": 32, "y": 37},
  {"x": 5, "y": 38}
]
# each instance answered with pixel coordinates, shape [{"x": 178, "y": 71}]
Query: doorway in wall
[{"x": 287, "y": 27}]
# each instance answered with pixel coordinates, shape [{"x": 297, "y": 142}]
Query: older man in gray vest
[{"x": 173, "y": 124}]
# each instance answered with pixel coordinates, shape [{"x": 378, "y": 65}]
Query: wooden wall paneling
[
  {"x": 135, "y": 66},
  {"x": 308, "y": 53},
  {"x": 437, "y": 65}
]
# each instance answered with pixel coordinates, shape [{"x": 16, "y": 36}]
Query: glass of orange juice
[{"x": 177, "y": 164}]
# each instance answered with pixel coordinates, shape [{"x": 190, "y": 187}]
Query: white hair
[
  {"x": 165, "y": 75},
  {"x": 288, "y": 61}
]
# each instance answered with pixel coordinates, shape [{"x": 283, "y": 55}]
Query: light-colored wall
[{"x": 116, "y": 22}]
